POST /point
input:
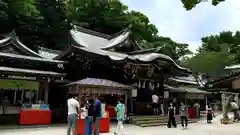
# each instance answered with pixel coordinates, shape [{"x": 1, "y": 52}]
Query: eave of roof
[
  {"x": 148, "y": 57},
  {"x": 224, "y": 79},
  {"x": 31, "y": 71},
  {"x": 13, "y": 39},
  {"x": 237, "y": 66},
  {"x": 184, "y": 81},
  {"x": 91, "y": 39},
  {"x": 185, "y": 90},
  {"x": 17, "y": 56},
  {"x": 48, "y": 53}
]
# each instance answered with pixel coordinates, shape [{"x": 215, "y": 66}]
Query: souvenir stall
[
  {"x": 33, "y": 110},
  {"x": 35, "y": 114},
  {"x": 101, "y": 88}
]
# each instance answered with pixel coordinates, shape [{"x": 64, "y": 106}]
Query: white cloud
[{"x": 174, "y": 21}]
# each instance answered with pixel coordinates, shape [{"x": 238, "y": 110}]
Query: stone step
[
  {"x": 155, "y": 121},
  {"x": 161, "y": 124},
  {"x": 148, "y": 118}
]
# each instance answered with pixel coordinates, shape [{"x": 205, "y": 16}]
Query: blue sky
[{"x": 173, "y": 21}]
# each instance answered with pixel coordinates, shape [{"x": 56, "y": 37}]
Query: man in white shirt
[
  {"x": 73, "y": 111},
  {"x": 155, "y": 100}
]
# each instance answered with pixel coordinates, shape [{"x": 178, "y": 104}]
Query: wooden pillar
[
  {"x": 46, "y": 91},
  {"x": 131, "y": 103},
  {"x": 126, "y": 100}
]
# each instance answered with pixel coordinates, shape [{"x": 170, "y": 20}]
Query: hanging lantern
[
  {"x": 48, "y": 79},
  {"x": 144, "y": 84},
  {"x": 139, "y": 84},
  {"x": 150, "y": 85}
]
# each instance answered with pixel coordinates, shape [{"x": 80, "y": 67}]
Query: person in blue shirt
[
  {"x": 97, "y": 115},
  {"x": 120, "y": 109}
]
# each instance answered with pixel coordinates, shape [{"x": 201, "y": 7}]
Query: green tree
[
  {"x": 54, "y": 27},
  {"x": 3, "y": 16},
  {"x": 189, "y": 4},
  {"x": 21, "y": 16},
  {"x": 210, "y": 63},
  {"x": 114, "y": 15},
  {"x": 46, "y": 23},
  {"x": 169, "y": 47},
  {"x": 230, "y": 40}
]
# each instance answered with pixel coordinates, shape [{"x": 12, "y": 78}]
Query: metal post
[
  {"x": 46, "y": 92},
  {"x": 15, "y": 96},
  {"x": 22, "y": 96}
]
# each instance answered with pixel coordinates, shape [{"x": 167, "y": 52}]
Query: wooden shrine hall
[{"x": 30, "y": 77}]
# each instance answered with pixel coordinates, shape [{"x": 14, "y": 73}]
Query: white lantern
[
  {"x": 134, "y": 93},
  {"x": 166, "y": 94}
]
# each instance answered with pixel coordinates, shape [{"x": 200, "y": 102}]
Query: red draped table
[
  {"x": 34, "y": 117},
  {"x": 190, "y": 113},
  {"x": 104, "y": 126}
]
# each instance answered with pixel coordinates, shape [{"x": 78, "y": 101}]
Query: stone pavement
[{"x": 200, "y": 128}]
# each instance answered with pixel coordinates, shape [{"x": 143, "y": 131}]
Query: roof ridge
[
  {"x": 91, "y": 32},
  {"x": 153, "y": 50},
  {"x": 49, "y": 50},
  {"x": 119, "y": 33}
]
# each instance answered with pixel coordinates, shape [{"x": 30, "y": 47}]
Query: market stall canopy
[{"x": 103, "y": 83}]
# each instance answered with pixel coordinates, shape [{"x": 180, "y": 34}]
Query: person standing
[
  {"x": 155, "y": 101},
  {"x": 209, "y": 113},
  {"x": 171, "y": 116},
  {"x": 161, "y": 106},
  {"x": 5, "y": 104},
  {"x": 120, "y": 109},
  {"x": 235, "y": 110},
  {"x": 73, "y": 111},
  {"x": 196, "y": 108},
  {"x": 183, "y": 112},
  {"x": 89, "y": 118},
  {"x": 97, "y": 115}
]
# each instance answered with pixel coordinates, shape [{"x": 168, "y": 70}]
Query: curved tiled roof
[
  {"x": 13, "y": 39},
  {"x": 98, "y": 43},
  {"x": 147, "y": 57},
  {"x": 91, "y": 39},
  {"x": 27, "y": 52},
  {"x": 100, "y": 83}
]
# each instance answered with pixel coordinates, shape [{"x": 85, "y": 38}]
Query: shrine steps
[{"x": 155, "y": 120}]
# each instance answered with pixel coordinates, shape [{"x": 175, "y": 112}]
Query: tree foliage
[
  {"x": 216, "y": 52},
  {"x": 190, "y": 4},
  {"x": 46, "y": 23}
]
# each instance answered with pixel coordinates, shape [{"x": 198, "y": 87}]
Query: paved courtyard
[{"x": 200, "y": 128}]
